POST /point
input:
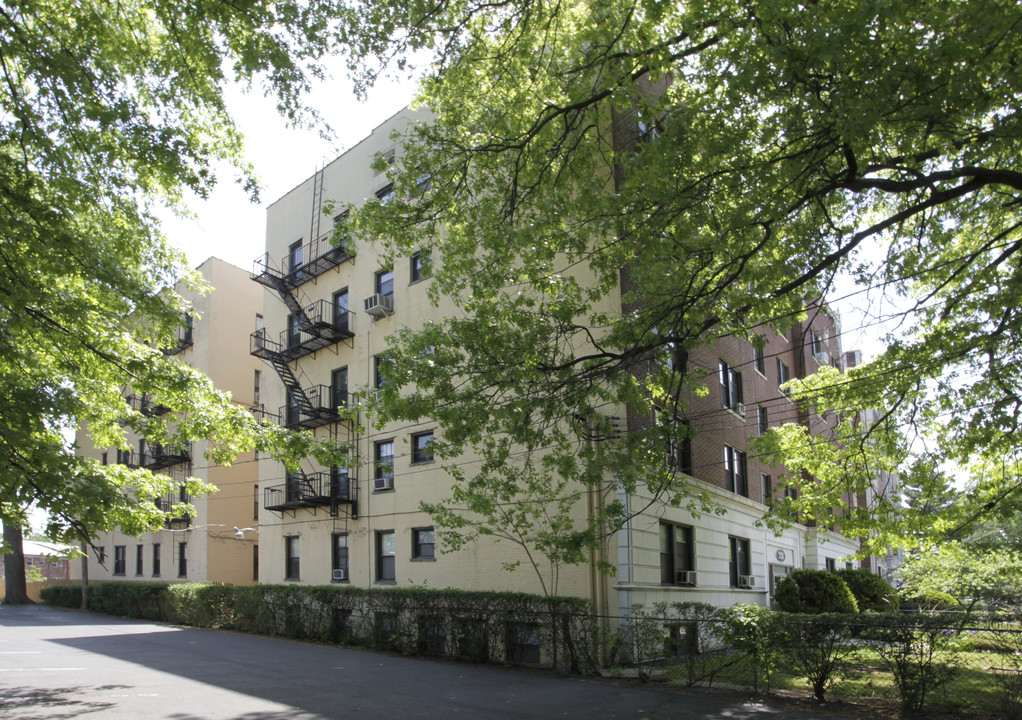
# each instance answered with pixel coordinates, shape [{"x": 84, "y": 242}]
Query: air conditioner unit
[
  {"x": 383, "y": 483},
  {"x": 686, "y": 577},
  {"x": 379, "y": 305},
  {"x": 747, "y": 581},
  {"x": 822, "y": 357},
  {"x": 740, "y": 409},
  {"x": 339, "y": 574}
]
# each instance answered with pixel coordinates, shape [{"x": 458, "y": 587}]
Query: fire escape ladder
[
  {"x": 317, "y": 206},
  {"x": 287, "y": 295},
  {"x": 294, "y": 387}
]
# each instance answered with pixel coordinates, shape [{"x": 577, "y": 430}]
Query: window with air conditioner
[
  {"x": 383, "y": 465},
  {"x": 677, "y": 556},
  {"x": 339, "y": 557},
  {"x": 739, "y": 561}
]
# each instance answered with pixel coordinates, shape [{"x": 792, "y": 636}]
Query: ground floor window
[
  {"x": 339, "y": 554},
  {"x": 677, "y": 565},
  {"x": 292, "y": 557},
  {"x": 385, "y": 552},
  {"x": 740, "y": 562}
]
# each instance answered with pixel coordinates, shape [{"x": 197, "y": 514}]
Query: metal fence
[{"x": 907, "y": 661}]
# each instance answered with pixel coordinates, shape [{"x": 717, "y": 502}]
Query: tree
[
  {"x": 15, "y": 590},
  {"x": 110, "y": 110},
  {"x": 608, "y": 185}
]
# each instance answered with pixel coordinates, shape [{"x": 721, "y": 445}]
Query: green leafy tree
[
  {"x": 110, "y": 111},
  {"x": 872, "y": 593},
  {"x": 814, "y": 592},
  {"x": 612, "y": 184}
]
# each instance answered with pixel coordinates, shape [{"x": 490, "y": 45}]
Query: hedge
[
  {"x": 480, "y": 626},
  {"x": 815, "y": 591}
]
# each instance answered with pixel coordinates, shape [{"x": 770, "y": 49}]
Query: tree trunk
[
  {"x": 85, "y": 575},
  {"x": 16, "y": 591}
]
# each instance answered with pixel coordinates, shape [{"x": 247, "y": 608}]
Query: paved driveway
[{"x": 67, "y": 664}]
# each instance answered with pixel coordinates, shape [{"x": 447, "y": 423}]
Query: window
[
  {"x": 422, "y": 447},
  {"x": 294, "y": 332},
  {"x": 420, "y": 265},
  {"x": 120, "y": 559},
  {"x": 156, "y": 560},
  {"x": 139, "y": 554},
  {"x": 676, "y": 556},
  {"x": 339, "y": 387},
  {"x": 255, "y": 562},
  {"x": 292, "y": 557},
  {"x": 339, "y": 555},
  {"x": 730, "y": 386},
  {"x": 764, "y": 422},
  {"x": 294, "y": 257},
  {"x": 123, "y": 457},
  {"x": 341, "y": 236},
  {"x": 385, "y": 194},
  {"x": 831, "y": 565},
  {"x": 339, "y": 485},
  {"x": 818, "y": 345},
  {"x": 385, "y": 283},
  {"x": 385, "y": 556},
  {"x": 783, "y": 375},
  {"x": 423, "y": 544},
  {"x": 103, "y": 459},
  {"x": 256, "y": 386},
  {"x": 735, "y": 471},
  {"x": 387, "y": 159},
  {"x": 739, "y": 561},
  {"x": 342, "y": 318},
  {"x": 380, "y": 370},
  {"x": 767, "y": 485},
  {"x": 182, "y": 560},
  {"x": 383, "y": 467},
  {"x": 255, "y": 501},
  {"x": 679, "y": 447},
  {"x": 758, "y": 360}
]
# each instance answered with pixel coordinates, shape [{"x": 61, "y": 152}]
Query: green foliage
[
  {"x": 872, "y": 593},
  {"x": 108, "y": 111},
  {"x": 753, "y": 631},
  {"x": 815, "y": 591},
  {"x": 483, "y": 626},
  {"x": 817, "y": 646},
  {"x": 727, "y": 160},
  {"x": 921, "y": 651}
]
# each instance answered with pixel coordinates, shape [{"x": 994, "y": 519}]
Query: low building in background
[{"x": 203, "y": 547}]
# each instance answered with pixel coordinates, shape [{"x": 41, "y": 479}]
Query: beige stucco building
[
  {"x": 203, "y": 547},
  {"x": 328, "y": 313}
]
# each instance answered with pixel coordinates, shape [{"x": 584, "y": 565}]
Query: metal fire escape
[{"x": 311, "y": 327}]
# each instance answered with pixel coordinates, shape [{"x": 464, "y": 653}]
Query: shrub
[
  {"x": 872, "y": 593},
  {"x": 815, "y": 591},
  {"x": 817, "y": 646},
  {"x": 752, "y": 630}
]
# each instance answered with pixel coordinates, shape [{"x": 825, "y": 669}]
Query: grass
[{"x": 975, "y": 683}]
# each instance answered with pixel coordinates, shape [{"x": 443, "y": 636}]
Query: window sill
[
  {"x": 292, "y": 579},
  {"x": 422, "y": 462},
  {"x": 384, "y": 491},
  {"x": 423, "y": 559},
  {"x": 385, "y": 582}
]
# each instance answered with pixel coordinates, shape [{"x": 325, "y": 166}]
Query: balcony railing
[
  {"x": 311, "y": 490},
  {"x": 322, "y": 410},
  {"x": 166, "y": 504},
  {"x": 184, "y": 338},
  {"x": 145, "y": 405},
  {"x": 322, "y": 255},
  {"x": 157, "y": 456},
  {"x": 323, "y": 329}
]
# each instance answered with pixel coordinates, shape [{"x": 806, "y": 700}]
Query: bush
[
  {"x": 487, "y": 626},
  {"x": 815, "y": 591},
  {"x": 872, "y": 593}
]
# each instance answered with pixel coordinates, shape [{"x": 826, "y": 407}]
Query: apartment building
[
  {"x": 328, "y": 313},
  {"x": 203, "y": 547}
]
